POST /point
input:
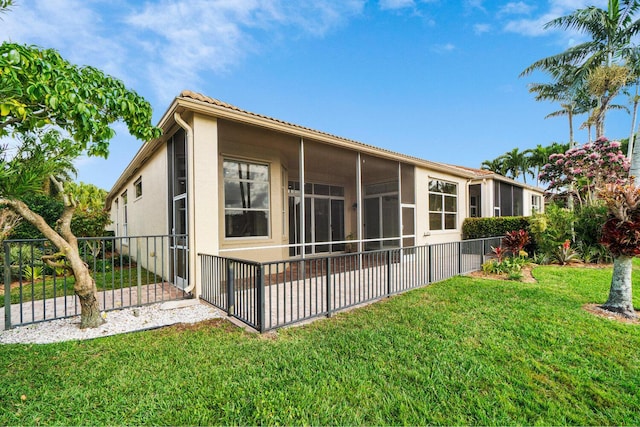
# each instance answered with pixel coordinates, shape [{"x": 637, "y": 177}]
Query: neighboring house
[{"x": 238, "y": 184}]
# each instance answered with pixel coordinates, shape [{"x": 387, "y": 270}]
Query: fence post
[
  {"x": 459, "y": 257},
  {"x": 430, "y": 263},
  {"x": 139, "y": 271},
  {"x": 328, "y": 261},
  {"x": 484, "y": 249},
  {"x": 7, "y": 286},
  {"x": 389, "y": 272},
  {"x": 260, "y": 295},
  {"x": 230, "y": 289}
]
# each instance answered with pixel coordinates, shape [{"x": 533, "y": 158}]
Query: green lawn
[
  {"x": 463, "y": 351},
  {"x": 60, "y": 286}
]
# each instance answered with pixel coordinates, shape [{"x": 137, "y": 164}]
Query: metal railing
[
  {"x": 128, "y": 271},
  {"x": 271, "y": 295}
]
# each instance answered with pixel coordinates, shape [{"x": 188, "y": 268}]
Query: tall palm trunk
[{"x": 633, "y": 124}]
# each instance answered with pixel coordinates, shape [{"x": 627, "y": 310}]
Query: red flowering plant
[
  {"x": 621, "y": 231},
  {"x": 515, "y": 241},
  {"x": 586, "y": 168},
  {"x": 564, "y": 254},
  {"x": 498, "y": 252}
]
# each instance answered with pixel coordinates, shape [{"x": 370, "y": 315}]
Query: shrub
[
  {"x": 22, "y": 256},
  {"x": 47, "y": 207},
  {"x": 621, "y": 231},
  {"x": 476, "y": 228},
  {"x": 588, "y": 223},
  {"x": 564, "y": 254},
  {"x": 515, "y": 241},
  {"x": 32, "y": 272},
  {"x": 551, "y": 228},
  {"x": 596, "y": 253},
  {"x": 511, "y": 266}
]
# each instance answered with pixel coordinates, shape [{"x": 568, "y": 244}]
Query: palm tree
[
  {"x": 496, "y": 165},
  {"x": 571, "y": 95},
  {"x": 538, "y": 157},
  {"x": 610, "y": 33},
  {"x": 633, "y": 63},
  {"x": 517, "y": 163}
]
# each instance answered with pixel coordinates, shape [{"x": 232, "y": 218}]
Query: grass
[
  {"x": 52, "y": 287},
  {"x": 463, "y": 351}
]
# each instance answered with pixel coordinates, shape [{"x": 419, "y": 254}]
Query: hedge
[{"x": 476, "y": 228}]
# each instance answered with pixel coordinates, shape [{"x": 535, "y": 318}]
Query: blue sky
[{"x": 434, "y": 79}]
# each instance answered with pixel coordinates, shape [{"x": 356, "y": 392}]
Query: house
[{"x": 230, "y": 182}]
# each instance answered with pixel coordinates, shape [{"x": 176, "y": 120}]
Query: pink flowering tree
[{"x": 580, "y": 171}]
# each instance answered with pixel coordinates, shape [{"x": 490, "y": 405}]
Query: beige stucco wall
[
  {"x": 203, "y": 193},
  {"x": 424, "y": 235},
  {"x": 147, "y": 214}
]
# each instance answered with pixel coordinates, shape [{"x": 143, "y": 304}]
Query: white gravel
[{"x": 117, "y": 322}]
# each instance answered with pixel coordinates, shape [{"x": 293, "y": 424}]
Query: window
[
  {"x": 138, "y": 187},
  {"x": 125, "y": 215},
  {"x": 443, "y": 205},
  {"x": 507, "y": 199},
  {"x": 246, "y": 199},
  {"x": 536, "y": 202}
]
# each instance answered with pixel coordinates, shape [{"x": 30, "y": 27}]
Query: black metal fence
[
  {"x": 271, "y": 295},
  {"x": 129, "y": 271}
]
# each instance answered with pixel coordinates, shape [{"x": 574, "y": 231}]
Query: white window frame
[
  {"x": 267, "y": 210},
  {"x": 536, "y": 203},
  {"x": 443, "y": 212},
  {"x": 125, "y": 217},
  {"x": 137, "y": 187}
]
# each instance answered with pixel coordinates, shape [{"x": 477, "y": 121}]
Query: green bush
[
  {"x": 552, "y": 228},
  {"x": 47, "y": 207},
  {"x": 22, "y": 256},
  {"x": 589, "y": 222},
  {"x": 476, "y": 228}
]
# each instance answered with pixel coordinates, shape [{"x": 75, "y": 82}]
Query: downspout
[{"x": 190, "y": 196}]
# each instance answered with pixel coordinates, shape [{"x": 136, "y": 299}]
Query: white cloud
[
  {"x": 515, "y": 8},
  {"x": 534, "y": 26},
  {"x": 396, "y": 4},
  {"x": 481, "y": 28},
  {"x": 176, "y": 42},
  {"x": 443, "y": 48},
  {"x": 67, "y": 25},
  {"x": 474, "y": 5},
  {"x": 212, "y": 36}
]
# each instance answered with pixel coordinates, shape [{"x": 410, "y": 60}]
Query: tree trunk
[
  {"x": 85, "y": 289},
  {"x": 620, "y": 295},
  {"x": 67, "y": 244},
  {"x": 633, "y": 124},
  {"x": 634, "y": 169},
  {"x": 571, "y": 143}
]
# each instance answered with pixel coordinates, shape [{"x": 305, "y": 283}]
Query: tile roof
[{"x": 206, "y": 99}]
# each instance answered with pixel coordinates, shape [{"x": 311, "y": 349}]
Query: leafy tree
[
  {"x": 516, "y": 164},
  {"x": 633, "y": 64},
  {"x": 8, "y": 221},
  {"x": 39, "y": 89},
  {"x": 610, "y": 32},
  {"x": 539, "y": 156},
  {"x": 581, "y": 171},
  {"x": 621, "y": 234},
  {"x": 496, "y": 165},
  {"x": 91, "y": 217},
  {"x": 49, "y": 208},
  {"x": 565, "y": 90}
]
